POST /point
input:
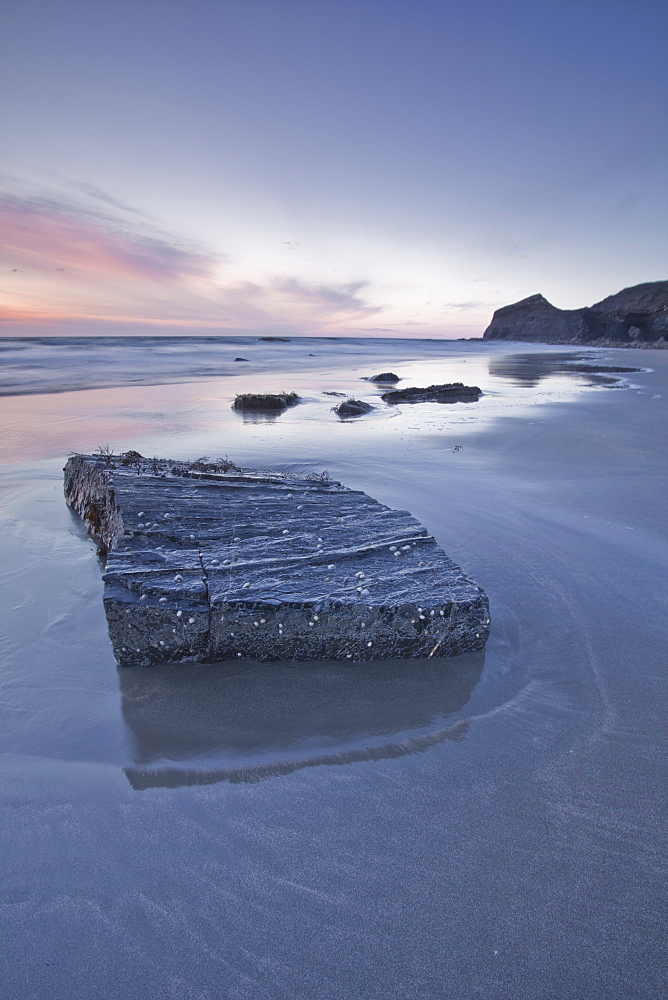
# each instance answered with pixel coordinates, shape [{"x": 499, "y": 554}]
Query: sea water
[{"x": 483, "y": 825}]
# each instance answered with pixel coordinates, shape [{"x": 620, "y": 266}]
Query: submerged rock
[
  {"x": 210, "y": 566},
  {"x": 353, "y": 408},
  {"x": 451, "y": 392},
  {"x": 636, "y": 316},
  {"x": 265, "y": 401},
  {"x": 384, "y": 377}
]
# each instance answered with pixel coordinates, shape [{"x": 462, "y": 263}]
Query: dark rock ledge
[
  {"x": 209, "y": 566},
  {"x": 451, "y": 392}
]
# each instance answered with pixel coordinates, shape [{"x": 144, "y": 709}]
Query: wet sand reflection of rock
[
  {"x": 200, "y": 724},
  {"x": 530, "y": 369},
  {"x": 259, "y": 416}
]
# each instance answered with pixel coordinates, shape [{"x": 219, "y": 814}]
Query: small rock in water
[
  {"x": 259, "y": 401},
  {"x": 352, "y": 408},
  {"x": 387, "y": 377}
]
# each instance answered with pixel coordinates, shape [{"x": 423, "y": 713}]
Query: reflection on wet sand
[
  {"x": 200, "y": 724},
  {"x": 259, "y": 416},
  {"x": 173, "y": 777},
  {"x": 530, "y": 369}
]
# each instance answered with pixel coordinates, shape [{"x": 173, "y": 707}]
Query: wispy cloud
[
  {"x": 61, "y": 259},
  {"x": 333, "y": 300},
  {"x": 464, "y": 306},
  {"x": 42, "y": 233},
  {"x": 97, "y": 194}
]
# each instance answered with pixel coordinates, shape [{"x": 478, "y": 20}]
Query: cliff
[{"x": 636, "y": 316}]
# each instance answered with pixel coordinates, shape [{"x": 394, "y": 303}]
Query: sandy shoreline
[{"x": 522, "y": 856}]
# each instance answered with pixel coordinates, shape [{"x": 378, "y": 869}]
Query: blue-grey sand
[{"x": 491, "y": 825}]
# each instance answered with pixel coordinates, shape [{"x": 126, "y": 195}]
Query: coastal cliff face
[{"x": 634, "y": 317}]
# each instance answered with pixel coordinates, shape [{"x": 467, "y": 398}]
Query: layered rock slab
[{"x": 211, "y": 566}]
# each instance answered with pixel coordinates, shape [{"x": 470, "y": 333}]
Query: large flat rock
[{"x": 210, "y": 566}]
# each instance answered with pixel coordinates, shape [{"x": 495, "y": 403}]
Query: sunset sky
[{"x": 323, "y": 167}]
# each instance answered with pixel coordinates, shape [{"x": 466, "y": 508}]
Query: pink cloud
[
  {"x": 62, "y": 262},
  {"x": 43, "y": 235},
  {"x": 335, "y": 301}
]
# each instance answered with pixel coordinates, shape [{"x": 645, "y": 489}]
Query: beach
[{"x": 490, "y": 825}]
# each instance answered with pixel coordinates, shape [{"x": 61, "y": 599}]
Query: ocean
[{"x": 490, "y": 825}]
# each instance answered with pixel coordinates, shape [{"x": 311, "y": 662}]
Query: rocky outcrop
[
  {"x": 210, "y": 566},
  {"x": 534, "y": 319},
  {"x": 265, "y": 401},
  {"x": 353, "y": 408},
  {"x": 636, "y": 316},
  {"x": 384, "y": 377},
  {"x": 451, "y": 392}
]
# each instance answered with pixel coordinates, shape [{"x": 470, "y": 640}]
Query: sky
[{"x": 325, "y": 167}]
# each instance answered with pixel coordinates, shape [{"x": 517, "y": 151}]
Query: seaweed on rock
[
  {"x": 450, "y": 392},
  {"x": 258, "y": 401}
]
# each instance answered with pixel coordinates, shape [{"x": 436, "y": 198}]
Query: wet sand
[{"x": 486, "y": 826}]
